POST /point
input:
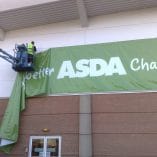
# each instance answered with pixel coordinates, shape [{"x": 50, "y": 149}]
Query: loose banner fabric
[
  {"x": 129, "y": 66},
  {"x": 112, "y": 67},
  {"x": 10, "y": 125}
]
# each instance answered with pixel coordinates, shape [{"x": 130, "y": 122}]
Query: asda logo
[
  {"x": 92, "y": 68},
  {"x": 82, "y": 68}
]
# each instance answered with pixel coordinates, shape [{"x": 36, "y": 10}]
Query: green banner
[
  {"x": 129, "y": 66},
  {"x": 112, "y": 67}
]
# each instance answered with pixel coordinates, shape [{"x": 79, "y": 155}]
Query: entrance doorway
[{"x": 45, "y": 146}]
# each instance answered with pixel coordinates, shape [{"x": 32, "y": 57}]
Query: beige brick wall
[
  {"x": 58, "y": 114},
  {"x": 124, "y": 125}
]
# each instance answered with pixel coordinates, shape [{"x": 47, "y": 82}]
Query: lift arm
[{"x": 7, "y": 57}]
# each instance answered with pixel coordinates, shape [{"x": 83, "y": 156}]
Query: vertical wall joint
[
  {"x": 2, "y": 34},
  {"x": 85, "y": 129},
  {"x": 82, "y": 13}
]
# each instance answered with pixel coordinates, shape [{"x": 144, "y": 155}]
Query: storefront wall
[
  {"x": 122, "y": 124},
  {"x": 57, "y": 114}
]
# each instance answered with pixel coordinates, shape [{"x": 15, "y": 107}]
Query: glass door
[
  {"x": 45, "y": 146},
  {"x": 52, "y": 147},
  {"x": 37, "y": 147}
]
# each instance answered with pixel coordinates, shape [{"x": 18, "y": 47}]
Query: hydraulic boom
[{"x": 7, "y": 57}]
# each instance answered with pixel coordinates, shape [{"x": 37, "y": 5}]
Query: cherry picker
[{"x": 20, "y": 59}]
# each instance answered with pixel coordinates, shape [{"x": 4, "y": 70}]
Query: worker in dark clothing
[{"x": 31, "y": 49}]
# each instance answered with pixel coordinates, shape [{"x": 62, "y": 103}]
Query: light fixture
[{"x": 45, "y": 130}]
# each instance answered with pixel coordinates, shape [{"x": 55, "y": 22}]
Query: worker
[{"x": 31, "y": 49}]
